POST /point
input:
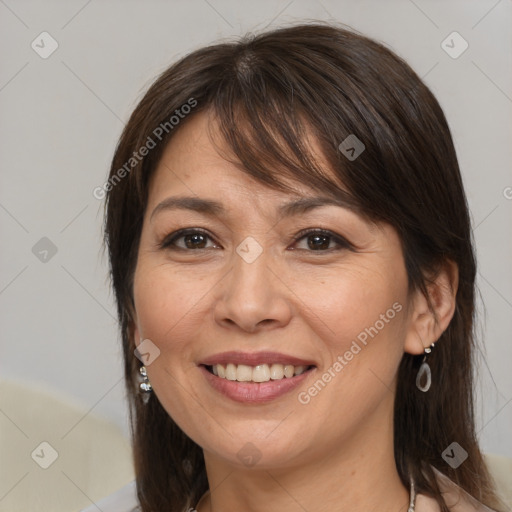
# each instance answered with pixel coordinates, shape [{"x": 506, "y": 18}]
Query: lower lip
[{"x": 254, "y": 392}]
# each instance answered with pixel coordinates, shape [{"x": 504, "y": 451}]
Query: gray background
[{"x": 61, "y": 118}]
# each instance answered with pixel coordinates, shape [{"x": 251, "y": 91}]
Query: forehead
[
  {"x": 197, "y": 158},
  {"x": 191, "y": 161}
]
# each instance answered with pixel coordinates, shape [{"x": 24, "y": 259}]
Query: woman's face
[{"x": 251, "y": 282}]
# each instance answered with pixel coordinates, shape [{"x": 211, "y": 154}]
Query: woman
[{"x": 291, "y": 253}]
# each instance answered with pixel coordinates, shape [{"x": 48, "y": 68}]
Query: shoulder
[
  {"x": 123, "y": 500},
  {"x": 456, "y": 499}
]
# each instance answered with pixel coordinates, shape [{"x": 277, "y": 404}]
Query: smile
[
  {"x": 259, "y": 373},
  {"x": 250, "y": 391}
]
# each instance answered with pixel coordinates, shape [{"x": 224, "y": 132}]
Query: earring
[
  {"x": 424, "y": 372},
  {"x": 145, "y": 386}
]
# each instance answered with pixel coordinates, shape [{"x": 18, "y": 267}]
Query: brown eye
[
  {"x": 321, "y": 240},
  {"x": 316, "y": 242},
  {"x": 195, "y": 241},
  {"x": 184, "y": 239}
]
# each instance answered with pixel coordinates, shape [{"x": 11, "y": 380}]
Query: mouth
[
  {"x": 255, "y": 378},
  {"x": 257, "y": 374}
]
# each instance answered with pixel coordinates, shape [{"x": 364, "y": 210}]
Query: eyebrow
[{"x": 214, "y": 208}]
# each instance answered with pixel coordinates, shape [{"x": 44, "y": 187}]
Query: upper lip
[{"x": 255, "y": 358}]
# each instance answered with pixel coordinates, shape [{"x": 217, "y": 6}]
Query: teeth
[
  {"x": 243, "y": 373},
  {"x": 288, "y": 370},
  {"x": 259, "y": 373},
  {"x": 276, "y": 371},
  {"x": 230, "y": 371},
  {"x": 297, "y": 370}
]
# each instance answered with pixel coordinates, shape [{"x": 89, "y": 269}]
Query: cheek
[
  {"x": 357, "y": 301},
  {"x": 361, "y": 313},
  {"x": 168, "y": 311},
  {"x": 166, "y": 302}
]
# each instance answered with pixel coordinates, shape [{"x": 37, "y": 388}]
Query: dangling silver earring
[
  {"x": 424, "y": 372},
  {"x": 145, "y": 386}
]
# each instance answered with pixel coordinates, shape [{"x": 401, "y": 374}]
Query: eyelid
[
  {"x": 172, "y": 237},
  {"x": 340, "y": 240}
]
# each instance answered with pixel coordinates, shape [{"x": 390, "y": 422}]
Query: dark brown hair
[{"x": 268, "y": 93}]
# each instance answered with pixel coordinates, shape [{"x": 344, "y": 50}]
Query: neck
[{"x": 359, "y": 476}]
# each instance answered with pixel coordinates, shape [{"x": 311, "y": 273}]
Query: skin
[{"x": 335, "y": 452}]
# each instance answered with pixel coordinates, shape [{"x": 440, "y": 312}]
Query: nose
[{"x": 252, "y": 296}]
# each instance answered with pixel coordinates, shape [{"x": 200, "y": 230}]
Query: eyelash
[{"x": 169, "y": 241}]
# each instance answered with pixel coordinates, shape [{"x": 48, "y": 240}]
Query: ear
[{"x": 428, "y": 323}]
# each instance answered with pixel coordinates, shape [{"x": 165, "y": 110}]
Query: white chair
[{"x": 90, "y": 462}]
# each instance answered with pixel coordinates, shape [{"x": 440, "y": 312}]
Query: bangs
[{"x": 270, "y": 135}]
